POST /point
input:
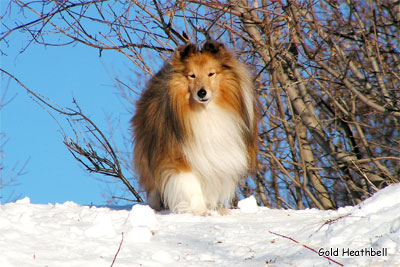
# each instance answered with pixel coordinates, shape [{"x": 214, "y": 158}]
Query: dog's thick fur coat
[{"x": 195, "y": 130}]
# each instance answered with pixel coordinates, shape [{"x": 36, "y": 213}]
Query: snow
[
  {"x": 73, "y": 235},
  {"x": 248, "y": 205}
]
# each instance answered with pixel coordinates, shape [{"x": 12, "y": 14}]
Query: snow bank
[{"x": 72, "y": 235}]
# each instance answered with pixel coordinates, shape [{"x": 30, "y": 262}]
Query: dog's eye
[
  {"x": 192, "y": 76},
  {"x": 211, "y": 74}
]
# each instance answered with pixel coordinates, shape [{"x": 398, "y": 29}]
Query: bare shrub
[{"x": 327, "y": 75}]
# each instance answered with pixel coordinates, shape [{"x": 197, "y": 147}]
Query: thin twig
[
  {"x": 307, "y": 247},
  {"x": 119, "y": 249}
]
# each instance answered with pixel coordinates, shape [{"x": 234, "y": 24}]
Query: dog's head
[{"x": 202, "y": 68}]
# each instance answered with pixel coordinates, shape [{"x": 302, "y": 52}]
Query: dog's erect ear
[
  {"x": 214, "y": 48},
  {"x": 185, "y": 51}
]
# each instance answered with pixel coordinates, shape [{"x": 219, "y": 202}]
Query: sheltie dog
[{"x": 195, "y": 130}]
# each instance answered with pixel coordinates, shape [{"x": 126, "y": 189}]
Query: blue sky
[{"x": 52, "y": 175}]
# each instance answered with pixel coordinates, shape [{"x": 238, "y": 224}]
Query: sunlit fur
[{"x": 190, "y": 149}]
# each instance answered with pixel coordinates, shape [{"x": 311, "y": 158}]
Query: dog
[{"x": 195, "y": 130}]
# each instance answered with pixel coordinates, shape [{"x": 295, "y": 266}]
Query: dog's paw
[{"x": 223, "y": 211}]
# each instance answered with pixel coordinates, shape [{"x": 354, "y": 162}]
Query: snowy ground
[{"x": 72, "y": 235}]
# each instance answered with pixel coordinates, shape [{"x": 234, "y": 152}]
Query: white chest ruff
[{"x": 217, "y": 154}]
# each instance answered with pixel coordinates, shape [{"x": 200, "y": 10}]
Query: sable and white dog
[{"x": 195, "y": 130}]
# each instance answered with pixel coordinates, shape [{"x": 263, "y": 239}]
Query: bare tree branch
[
  {"x": 107, "y": 162},
  {"x": 327, "y": 76}
]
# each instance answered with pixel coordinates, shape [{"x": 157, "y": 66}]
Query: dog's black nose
[{"x": 202, "y": 93}]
